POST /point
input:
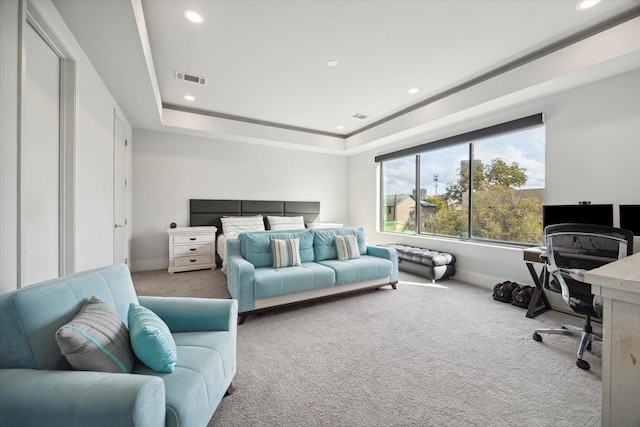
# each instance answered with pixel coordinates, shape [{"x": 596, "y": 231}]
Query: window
[{"x": 487, "y": 184}]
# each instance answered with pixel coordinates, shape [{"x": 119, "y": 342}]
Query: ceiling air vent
[
  {"x": 360, "y": 116},
  {"x": 191, "y": 78}
]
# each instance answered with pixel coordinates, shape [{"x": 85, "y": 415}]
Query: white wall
[
  {"x": 592, "y": 153},
  {"x": 94, "y": 125},
  {"x": 169, "y": 169}
]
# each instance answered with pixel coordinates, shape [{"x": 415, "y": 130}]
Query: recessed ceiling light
[
  {"x": 193, "y": 16},
  {"x": 340, "y": 127},
  {"x": 332, "y": 63},
  {"x": 586, "y": 4},
  {"x": 413, "y": 90},
  {"x": 190, "y": 97}
]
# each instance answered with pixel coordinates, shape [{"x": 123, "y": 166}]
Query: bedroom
[{"x": 168, "y": 166}]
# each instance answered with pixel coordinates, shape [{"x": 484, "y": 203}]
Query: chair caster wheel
[
  {"x": 583, "y": 364},
  {"x": 537, "y": 337}
]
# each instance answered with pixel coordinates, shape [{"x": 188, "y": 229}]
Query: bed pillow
[
  {"x": 285, "y": 222},
  {"x": 347, "y": 247},
  {"x": 96, "y": 339},
  {"x": 234, "y": 225},
  {"x": 286, "y": 253},
  {"x": 151, "y": 339}
]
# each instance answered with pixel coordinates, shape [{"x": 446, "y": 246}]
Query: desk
[
  {"x": 539, "y": 303},
  {"x": 618, "y": 283}
]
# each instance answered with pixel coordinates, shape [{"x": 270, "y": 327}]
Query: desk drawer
[
  {"x": 193, "y": 238},
  {"x": 195, "y": 260},
  {"x": 186, "y": 250}
]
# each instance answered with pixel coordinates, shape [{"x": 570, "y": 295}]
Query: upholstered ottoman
[{"x": 424, "y": 262}]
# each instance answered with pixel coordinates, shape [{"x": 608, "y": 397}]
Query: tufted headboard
[{"x": 204, "y": 212}]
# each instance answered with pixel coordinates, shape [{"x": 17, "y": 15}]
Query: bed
[{"x": 207, "y": 212}]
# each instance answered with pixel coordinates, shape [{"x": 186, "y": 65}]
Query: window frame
[{"x": 468, "y": 138}]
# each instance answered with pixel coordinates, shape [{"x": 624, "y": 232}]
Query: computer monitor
[
  {"x": 630, "y": 218},
  {"x": 581, "y": 214}
]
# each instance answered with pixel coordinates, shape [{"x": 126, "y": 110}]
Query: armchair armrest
[
  {"x": 182, "y": 314},
  {"x": 389, "y": 253},
  {"x": 240, "y": 276},
  {"x": 80, "y": 398}
]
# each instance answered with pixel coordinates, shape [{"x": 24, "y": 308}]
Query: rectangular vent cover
[
  {"x": 191, "y": 78},
  {"x": 360, "y": 116}
]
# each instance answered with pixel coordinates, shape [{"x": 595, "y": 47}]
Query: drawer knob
[
  {"x": 192, "y": 249},
  {"x": 192, "y": 238},
  {"x": 193, "y": 260}
]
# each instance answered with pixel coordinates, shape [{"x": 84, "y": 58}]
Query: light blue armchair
[{"x": 38, "y": 387}]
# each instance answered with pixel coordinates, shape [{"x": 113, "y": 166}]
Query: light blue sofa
[
  {"x": 258, "y": 286},
  {"x": 39, "y": 388}
]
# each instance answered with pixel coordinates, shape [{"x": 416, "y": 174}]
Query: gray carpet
[{"x": 421, "y": 355}]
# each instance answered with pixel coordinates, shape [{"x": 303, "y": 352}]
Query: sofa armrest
[
  {"x": 389, "y": 253},
  {"x": 182, "y": 314},
  {"x": 80, "y": 398},
  {"x": 240, "y": 277}
]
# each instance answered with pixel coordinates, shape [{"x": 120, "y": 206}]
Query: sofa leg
[
  {"x": 393, "y": 284},
  {"x": 230, "y": 390},
  {"x": 241, "y": 318}
]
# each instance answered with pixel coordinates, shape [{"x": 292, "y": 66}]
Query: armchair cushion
[
  {"x": 96, "y": 340},
  {"x": 151, "y": 339}
]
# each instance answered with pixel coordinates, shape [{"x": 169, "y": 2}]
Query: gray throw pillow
[{"x": 96, "y": 339}]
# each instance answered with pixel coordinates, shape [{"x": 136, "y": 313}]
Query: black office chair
[{"x": 573, "y": 249}]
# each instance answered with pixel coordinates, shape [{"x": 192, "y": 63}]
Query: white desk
[{"x": 619, "y": 285}]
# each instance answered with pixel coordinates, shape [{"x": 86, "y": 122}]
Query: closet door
[{"x": 40, "y": 162}]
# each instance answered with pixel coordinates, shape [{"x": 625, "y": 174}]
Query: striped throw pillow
[
  {"x": 347, "y": 247},
  {"x": 96, "y": 339},
  {"x": 286, "y": 253}
]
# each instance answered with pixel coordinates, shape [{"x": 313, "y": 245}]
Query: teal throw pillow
[{"x": 151, "y": 339}]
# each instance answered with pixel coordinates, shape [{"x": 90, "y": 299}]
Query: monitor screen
[
  {"x": 581, "y": 214},
  {"x": 630, "y": 218}
]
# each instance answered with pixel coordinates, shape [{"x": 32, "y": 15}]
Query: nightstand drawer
[
  {"x": 194, "y": 261},
  {"x": 193, "y": 238},
  {"x": 186, "y": 250}
]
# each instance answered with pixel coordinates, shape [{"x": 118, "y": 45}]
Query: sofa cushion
[
  {"x": 272, "y": 282},
  {"x": 347, "y": 247},
  {"x": 255, "y": 247},
  {"x": 324, "y": 245},
  {"x": 151, "y": 339},
  {"x": 286, "y": 252},
  {"x": 199, "y": 379},
  {"x": 96, "y": 339},
  {"x": 366, "y": 267}
]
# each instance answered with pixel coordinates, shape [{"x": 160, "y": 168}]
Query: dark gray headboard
[{"x": 204, "y": 212}]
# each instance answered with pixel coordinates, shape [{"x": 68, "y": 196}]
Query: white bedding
[{"x": 221, "y": 248}]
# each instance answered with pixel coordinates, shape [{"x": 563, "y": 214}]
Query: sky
[{"x": 524, "y": 147}]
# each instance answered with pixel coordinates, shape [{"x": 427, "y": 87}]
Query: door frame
[{"x": 31, "y": 16}]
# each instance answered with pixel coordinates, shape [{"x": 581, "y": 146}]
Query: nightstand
[{"x": 191, "y": 248}]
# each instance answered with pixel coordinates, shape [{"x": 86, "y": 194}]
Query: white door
[
  {"x": 40, "y": 162},
  {"x": 120, "y": 159}
]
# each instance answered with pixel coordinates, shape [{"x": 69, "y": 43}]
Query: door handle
[{"x": 118, "y": 225}]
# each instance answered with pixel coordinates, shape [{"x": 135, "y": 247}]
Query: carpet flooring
[{"x": 421, "y": 355}]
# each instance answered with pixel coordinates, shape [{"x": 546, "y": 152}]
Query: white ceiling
[{"x": 266, "y": 61}]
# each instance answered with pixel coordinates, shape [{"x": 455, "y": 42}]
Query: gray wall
[
  {"x": 592, "y": 153},
  {"x": 169, "y": 169}
]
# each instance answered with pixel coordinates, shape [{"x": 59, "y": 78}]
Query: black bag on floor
[
  {"x": 521, "y": 297},
  {"x": 504, "y": 291}
]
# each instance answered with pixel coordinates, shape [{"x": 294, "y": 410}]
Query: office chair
[{"x": 573, "y": 249}]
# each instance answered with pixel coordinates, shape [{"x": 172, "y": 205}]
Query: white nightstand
[{"x": 191, "y": 248}]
